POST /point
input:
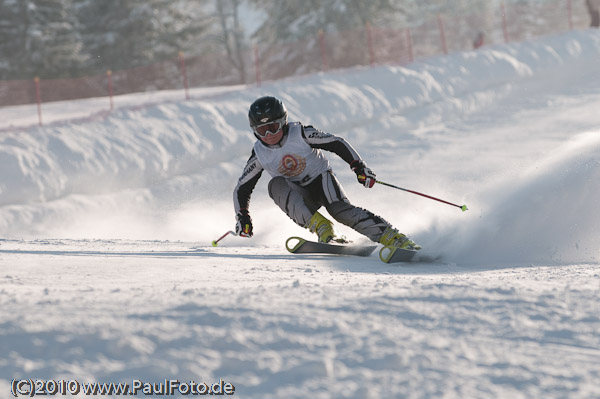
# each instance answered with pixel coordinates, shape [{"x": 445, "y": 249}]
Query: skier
[
  {"x": 479, "y": 40},
  {"x": 593, "y": 7},
  {"x": 302, "y": 180}
]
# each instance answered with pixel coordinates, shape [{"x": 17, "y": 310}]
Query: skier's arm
[
  {"x": 246, "y": 183},
  {"x": 318, "y": 139},
  {"x": 328, "y": 142}
]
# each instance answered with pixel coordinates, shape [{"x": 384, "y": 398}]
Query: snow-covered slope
[
  {"x": 97, "y": 293},
  {"x": 164, "y": 163}
]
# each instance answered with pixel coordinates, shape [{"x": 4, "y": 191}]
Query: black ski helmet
[{"x": 266, "y": 109}]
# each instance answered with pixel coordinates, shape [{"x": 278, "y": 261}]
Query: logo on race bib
[{"x": 291, "y": 165}]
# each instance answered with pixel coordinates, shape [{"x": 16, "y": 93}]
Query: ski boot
[
  {"x": 323, "y": 228},
  {"x": 392, "y": 238}
]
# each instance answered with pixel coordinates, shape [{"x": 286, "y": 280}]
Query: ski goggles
[{"x": 269, "y": 128}]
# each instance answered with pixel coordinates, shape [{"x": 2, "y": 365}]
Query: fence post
[
  {"x": 257, "y": 65},
  {"x": 442, "y": 34},
  {"x": 184, "y": 75},
  {"x": 570, "y": 10},
  {"x": 324, "y": 65},
  {"x": 110, "y": 88},
  {"x": 504, "y": 24},
  {"x": 370, "y": 44},
  {"x": 38, "y": 98},
  {"x": 411, "y": 56}
]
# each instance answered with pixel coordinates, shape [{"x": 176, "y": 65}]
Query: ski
[
  {"x": 396, "y": 255},
  {"x": 298, "y": 245},
  {"x": 311, "y": 247}
]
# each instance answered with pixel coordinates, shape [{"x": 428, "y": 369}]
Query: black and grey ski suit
[{"x": 302, "y": 179}]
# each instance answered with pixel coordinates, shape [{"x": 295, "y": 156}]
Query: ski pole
[
  {"x": 216, "y": 242},
  {"x": 461, "y": 207}
]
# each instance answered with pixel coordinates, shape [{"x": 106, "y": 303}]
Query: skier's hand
[
  {"x": 243, "y": 227},
  {"x": 365, "y": 176}
]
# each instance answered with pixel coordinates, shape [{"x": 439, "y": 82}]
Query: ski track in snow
[{"x": 107, "y": 274}]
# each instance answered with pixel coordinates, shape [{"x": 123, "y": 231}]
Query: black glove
[
  {"x": 365, "y": 176},
  {"x": 243, "y": 227}
]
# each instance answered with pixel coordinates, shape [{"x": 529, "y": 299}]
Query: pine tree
[
  {"x": 300, "y": 23},
  {"x": 39, "y": 38},
  {"x": 231, "y": 36},
  {"x": 124, "y": 34},
  {"x": 293, "y": 20},
  {"x": 11, "y": 35}
]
